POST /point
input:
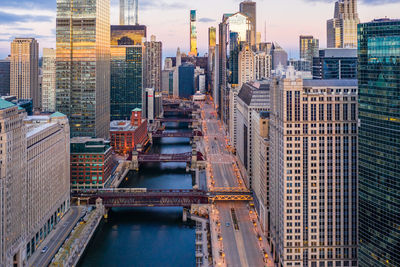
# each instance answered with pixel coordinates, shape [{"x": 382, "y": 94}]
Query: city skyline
[{"x": 15, "y": 18}]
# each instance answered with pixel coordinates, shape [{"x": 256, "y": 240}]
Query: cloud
[
  {"x": 9, "y": 18},
  {"x": 365, "y": 2},
  {"x": 31, "y": 4},
  {"x": 206, "y": 20},
  {"x": 157, "y": 4}
]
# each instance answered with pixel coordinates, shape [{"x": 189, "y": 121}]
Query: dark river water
[{"x": 147, "y": 236}]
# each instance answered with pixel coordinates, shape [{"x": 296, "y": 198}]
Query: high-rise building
[
  {"x": 152, "y": 64},
  {"x": 5, "y": 77},
  {"x": 309, "y": 47},
  {"x": 313, "y": 171},
  {"x": 262, "y": 65},
  {"x": 212, "y": 42},
  {"x": 279, "y": 56},
  {"x": 342, "y": 29},
  {"x": 83, "y": 66},
  {"x": 186, "y": 80},
  {"x": 249, "y": 8},
  {"x": 246, "y": 65},
  {"x": 49, "y": 80},
  {"x": 128, "y": 12},
  {"x": 379, "y": 139},
  {"x": 24, "y": 70},
  {"x": 34, "y": 194},
  {"x": 335, "y": 63},
  {"x": 126, "y": 66},
  {"x": 193, "y": 34}
]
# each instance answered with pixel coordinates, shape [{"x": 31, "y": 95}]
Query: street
[
  {"x": 56, "y": 238},
  {"x": 241, "y": 245}
]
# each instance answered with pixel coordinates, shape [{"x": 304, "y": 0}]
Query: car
[
  {"x": 228, "y": 224},
  {"x": 44, "y": 250}
]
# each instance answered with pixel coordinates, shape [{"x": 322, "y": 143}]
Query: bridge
[
  {"x": 182, "y": 110},
  {"x": 182, "y": 157},
  {"x": 187, "y": 120},
  {"x": 142, "y": 197},
  {"x": 163, "y": 134},
  {"x": 121, "y": 198}
]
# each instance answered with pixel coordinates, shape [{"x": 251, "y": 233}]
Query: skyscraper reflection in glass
[
  {"x": 379, "y": 142},
  {"x": 83, "y": 65}
]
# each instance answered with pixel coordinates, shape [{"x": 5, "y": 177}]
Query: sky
[{"x": 285, "y": 20}]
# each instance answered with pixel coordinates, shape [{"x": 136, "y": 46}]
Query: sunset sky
[{"x": 169, "y": 20}]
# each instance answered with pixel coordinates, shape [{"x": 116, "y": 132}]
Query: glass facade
[
  {"x": 335, "y": 64},
  {"x": 193, "y": 33},
  {"x": 4, "y": 77},
  {"x": 83, "y": 65},
  {"x": 379, "y": 142},
  {"x": 126, "y": 80},
  {"x": 186, "y": 80}
]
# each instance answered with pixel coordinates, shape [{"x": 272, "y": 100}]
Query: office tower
[
  {"x": 176, "y": 72},
  {"x": 96, "y": 155},
  {"x": 128, "y": 12},
  {"x": 246, "y": 65},
  {"x": 168, "y": 64},
  {"x": 167, "y": 82},
  {"x": 24, "y": 70},
  {"x": 309, "y": 47},
  {"x": 342, "y": 29},
  {"x": 83, "y": 66},
  {"x": 186, "y": 80},
  {"x": 233, "y": 58},
  {"x": 279, "y": 56},
  {"x": 128, "y": 34},
  {"x": 260, "y": 155},
  {"x": 193, "y": 34},
  {"x": 152, "y": 64},
  {"x": 262, "y": 65},
  {"x": 212, "y": 42},
  {"x": 231, "y": 23},
  {"x": 34, "y": 194},
  {"x": 335, "y": 63},
  {"x": 248, "y": 8},
  {"x": 49, "y": 80},
  {"x": 5, "y": 77},
  {"x": 152, "y": 105},
  {"x": 379, "y": 139},
  {"x": 301, "y": 64},
  {"x": 216, "y": 75},
  {"x": 313, "y": 185},
  {"x": 252, "y": 97}
]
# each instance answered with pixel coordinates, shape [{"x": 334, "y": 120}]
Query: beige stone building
[
  {"x": 49, "y": 80},
  {"x": 152, "y": 64},
  {"x": 262, "y": 65},
  {"x": 34, "y": 181},
  {"x": 246, "y": 65},
  {"x": 313, "y": 170},
  {"x": 24, "y": 70}
]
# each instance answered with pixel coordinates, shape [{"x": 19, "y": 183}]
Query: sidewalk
[{"x": 56, "y": 238}]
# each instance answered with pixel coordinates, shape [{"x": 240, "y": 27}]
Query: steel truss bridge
[
  {"x": 183, "y": 157},
  {"x": 163, "y": 134},
  {"x": 131, "y": 197}
]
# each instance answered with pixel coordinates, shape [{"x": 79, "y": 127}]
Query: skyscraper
[
  {"x": 342, "y": 29},
  {"x": 212, "y": 41},
  {"x": 193, "y": 34},
  {"x": 309, "y": 47},
  {"x": 246, "y": 65},
  {"x": 49, "y": 80},
  {"x": 24, "y": 70},
  {"x": 5, "y": 77},
  {"x": 186, "y": 80},
  {"x": 379, "y": 139},
  {"x": 128, "y": 12},
  {"x": 153, "y": 64},
  {"x": 335, "y": 63},
  {"x": 279, "y": 56},
  {"x": 83, "y": 66},
  {"x": 262, "y": 65},
  {"x": 313, "y": 171},
  {"x": 249, "y": 8}
]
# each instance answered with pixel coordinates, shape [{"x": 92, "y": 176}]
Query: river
[{"x": 147, "y": 236}]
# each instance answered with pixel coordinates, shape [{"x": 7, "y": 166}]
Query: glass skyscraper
[
  {"x": 83, "y": 66},
  {"x": 127, "y": 53},
  {"x": 193, "y": 34},
  {"x": 379, "y": 142}
]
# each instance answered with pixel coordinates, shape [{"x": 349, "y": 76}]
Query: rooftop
[
  {"x": 5, "y": 104},
  {"x": 255, "y": 93},
  {"x": 89, "y": 145},
  {"x": 331, "y": 83},
  {"x": 122, "y": 126}
]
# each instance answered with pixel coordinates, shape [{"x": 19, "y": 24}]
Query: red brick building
[
  {"x": 125, "y": 135},
  {"x": 91, "y": 162}
]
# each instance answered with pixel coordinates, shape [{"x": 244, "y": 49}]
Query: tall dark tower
[{"x": 249, "y": 8}]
